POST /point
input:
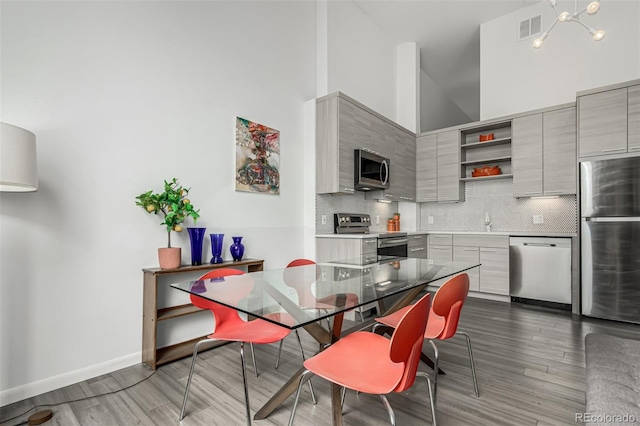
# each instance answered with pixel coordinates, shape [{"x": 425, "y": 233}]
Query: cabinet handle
[
  {"x": 370, "y": 241},
  {"x": 389, "y": 195},
  {"x": 469, "y": 249},
  {"x": 439, "y": 248},
  {"x": 553, "y": 192},
  {"x": 532, "y": 193},
  {"x": 634, "y": 148},
  {"x": 614, "y": 150},
  {"x": 417, "y": 249},
  {"x": 349, "y": 189},
  {"x": 418, "y": 237},
  {"x": 487, "y": 250}
]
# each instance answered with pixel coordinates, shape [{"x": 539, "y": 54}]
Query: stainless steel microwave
[{"x": 371, "y": 170}]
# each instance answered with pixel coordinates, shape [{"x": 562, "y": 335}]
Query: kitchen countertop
[{"x": 506, "y": 233}]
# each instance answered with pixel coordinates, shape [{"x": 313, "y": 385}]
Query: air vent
[{"x": 529, "y": 27}]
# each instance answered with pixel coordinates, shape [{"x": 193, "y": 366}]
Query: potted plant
[{"x": 175, "y": 208}]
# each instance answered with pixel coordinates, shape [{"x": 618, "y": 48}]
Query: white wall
[
  {"x": 361, "y": 59},
  {"x": 437, "y": 110},
  {"x": 515, "y": 77},
  {"x": 122, "y": 95}
]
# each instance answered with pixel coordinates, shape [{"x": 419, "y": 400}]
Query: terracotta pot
[{"x": 169, "y": 257}]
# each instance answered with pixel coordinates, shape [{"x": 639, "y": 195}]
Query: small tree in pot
[{"x": 175, "y": 208}]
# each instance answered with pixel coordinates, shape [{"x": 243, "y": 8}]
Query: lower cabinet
[
  {"x": 335, "y": 248},
  {"x": 492, "y": 252},
  {"x": 417, "y": 246}
]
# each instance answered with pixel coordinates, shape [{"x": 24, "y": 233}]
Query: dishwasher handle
[{"x": 539, "y": 244}]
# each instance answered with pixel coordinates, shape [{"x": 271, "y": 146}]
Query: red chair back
[
  {"x": 241, "y": 288},
  {"x": 300, "y": 279},
  {"x": 406, "y": 341},
  {"x": 448, "y": 302}
]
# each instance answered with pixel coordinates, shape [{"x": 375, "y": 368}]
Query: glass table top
[{"x": 305, "y": 294}]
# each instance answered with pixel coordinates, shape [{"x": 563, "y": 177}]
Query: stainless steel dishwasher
[{"x": 540, "y": 269}]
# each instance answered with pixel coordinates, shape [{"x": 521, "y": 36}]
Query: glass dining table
[{"x": 311, "y": 294}]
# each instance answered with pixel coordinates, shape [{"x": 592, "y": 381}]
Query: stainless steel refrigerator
[{"x": 610, "y": 238}]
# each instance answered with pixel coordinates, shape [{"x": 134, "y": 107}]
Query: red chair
[
  {"x": 443, "y": 319},
  {"x": 370, "y": 363},
  {"x": 229, "y": 326}
]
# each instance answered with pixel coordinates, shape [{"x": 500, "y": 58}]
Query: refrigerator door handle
[{"x": 611, "y": 219}]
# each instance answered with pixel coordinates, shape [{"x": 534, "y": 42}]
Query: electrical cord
[{"x": 74, "y": 400}]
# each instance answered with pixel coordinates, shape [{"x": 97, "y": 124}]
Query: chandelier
[{"x": 591, "y": 9}]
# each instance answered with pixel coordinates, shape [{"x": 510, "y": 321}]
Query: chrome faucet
[{"x": 487, "y": 222}]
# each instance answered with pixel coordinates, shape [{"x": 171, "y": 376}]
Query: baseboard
[{"x": 29, "y": 390}]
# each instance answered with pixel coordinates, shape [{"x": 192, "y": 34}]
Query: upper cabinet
[
  {"x": 437, "y": 167},
  {"x": 488, "y": 145},
  {"x": 426, "y": 168},
  {"x": 544, "y": 153},
  {"x": 608, "y": 120},
  {"x": 343, "y": 125}
]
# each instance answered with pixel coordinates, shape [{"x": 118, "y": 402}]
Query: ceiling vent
[{"x": 529, "y": 27}]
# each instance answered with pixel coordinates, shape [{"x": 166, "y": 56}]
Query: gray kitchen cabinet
[
  {"x": 468, "y": 254},
  {"x": 494, "y": 270},
  {"x": 439, "y": 247},
  {"x": 526, "y": 153},
  {"x": 341, "y": 127},
  {"x": 405, "y": 166},
  {"x": 449, "y": 187},
  {"x": 426, "y": 169},
  {"x": 633, "y": 126},
  {"x": 492, "y": 252},
  {"x": 335, "y": 249},
  {"x": 544, "y": 153},
  {"x": 602, "y": 123},
  {"x": 382, "y": 138},
  {"x": 559, "y": 168},
  {"x": 417, "y": 246}
]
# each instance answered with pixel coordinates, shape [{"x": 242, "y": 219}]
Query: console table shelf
[{"x": 153, "y": 356}]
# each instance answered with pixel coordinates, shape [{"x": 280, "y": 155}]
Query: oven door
[{"x": 393, "y": 246}]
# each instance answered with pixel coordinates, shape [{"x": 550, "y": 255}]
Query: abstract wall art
[{"x": 257, "y": 157}]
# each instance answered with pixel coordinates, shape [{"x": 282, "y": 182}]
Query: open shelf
[
  {"x": 503, "y": 176},
  {"x": 176, "y": 311},
  {"x": 487, "y": 143},
  {"x": 486, "y": 160},
  {"x": 184, "y": 349}
]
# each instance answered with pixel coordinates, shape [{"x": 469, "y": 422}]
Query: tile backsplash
[
  {"x": 506, "y": 212},
  {"x": 356, "y": 203}
]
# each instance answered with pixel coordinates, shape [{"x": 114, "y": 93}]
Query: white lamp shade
[{"x": 18, "y": 165}]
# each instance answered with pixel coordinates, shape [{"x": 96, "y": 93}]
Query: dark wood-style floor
[{"x": 529, "y": 362}]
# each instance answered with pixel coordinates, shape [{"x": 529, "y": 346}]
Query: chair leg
[
  {"x": 313, "y": 394},
  {"x": 279, "y": 352},
  {"x": 343, "y": 393},
  {"x": 193, "y": 364},
  {"x": 473, "y": 368},
  {"x": 244, "y": 380},
  {"x": 361, "y": 316},
  {"x": 432, "y": 400},
  {"x": 253, "y": 356},
  {"x": 306, "y": 375},
  {"x": 392, "y": 415},
  {"x": 435, "y": 369}
]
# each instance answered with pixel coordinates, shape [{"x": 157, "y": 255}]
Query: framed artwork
[{"x": 257, "y": 157}]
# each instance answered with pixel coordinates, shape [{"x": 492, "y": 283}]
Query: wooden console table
[{"x": 153, "y": 356}]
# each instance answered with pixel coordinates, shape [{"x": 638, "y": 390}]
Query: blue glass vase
[
  {"x": 237, "y": 248},
  {"x": 216, "y": 247},
  {"x": 196, "y": 236}
]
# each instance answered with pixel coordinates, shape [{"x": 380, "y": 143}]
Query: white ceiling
[{"x": 447, "y": 33}]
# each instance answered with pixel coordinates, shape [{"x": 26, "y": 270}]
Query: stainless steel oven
[{"x": 393, "y": 244}]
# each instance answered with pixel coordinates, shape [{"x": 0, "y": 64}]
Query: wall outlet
[
  {"x": 538, "y": 219},
  {"x": 377, "y": 219},
  {"x": 430, "y": 219},
  {"x": 323, "y": 219}
]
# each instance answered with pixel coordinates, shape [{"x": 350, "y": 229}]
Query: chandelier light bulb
[
  {"x": 598, "y": 35},
  {"x": 593, "y": 7},
  {"x": 564, "y": 16},
  {"x": 537, "y": 43}
]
